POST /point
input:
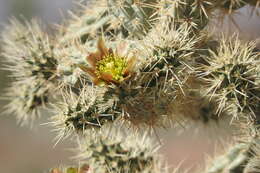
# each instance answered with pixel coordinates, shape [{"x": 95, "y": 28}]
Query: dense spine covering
[
  {"x": 232, "y": 77},
  {"x": 137, "y": 64},
  {"x": 30, "y": 58}
]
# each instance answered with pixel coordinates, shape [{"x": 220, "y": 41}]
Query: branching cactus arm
[{"x": 118, "y": 70}]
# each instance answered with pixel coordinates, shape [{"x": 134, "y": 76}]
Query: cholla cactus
[
  {"x": 253, "y": 162},
  {"x": 254, "y": 3},
  {"x": 100, "y": 20},
  {"x": 192, "y": 13},
  {"x": 232, "y": 77},
  {"x": 26, "y": 101},
  {"x": 136, "y": 16},
  {"x": 111, "y": 152},
  {"x": 30, "y": 58},
  {"x": 233, "y": 4},
  {"x": 89, "y": 110},
  {"x": 138, "y": 65},
  {"x": 169, "y": 50}
]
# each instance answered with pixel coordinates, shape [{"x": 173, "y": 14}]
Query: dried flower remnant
[
  {"x": 55, "y": 170},
  {"x": 107, "y": 66},
  {"x": 83, "y": 169}
]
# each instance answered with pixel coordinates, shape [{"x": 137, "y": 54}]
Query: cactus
[
  {"x": 110, "y": 152},
  {"x": 232, "y": 77},
  {"x": 194, "y": 13},
  {"x": 136, "y": 16},
  {"x": 118, "y": 70},
  {"x": 30, "y": 58},
  {"x": 87, "y": 111}
]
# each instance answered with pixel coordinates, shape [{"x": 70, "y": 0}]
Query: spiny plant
[
  {"x": 115, "y": 153},
  {"x": 116, "y": 70},
  {"x": 87, "y": 111},
  {"x": 232, "y": 77},
  {"x": 30, "y": 58}
]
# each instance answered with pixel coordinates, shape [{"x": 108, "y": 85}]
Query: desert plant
[{"x": 121, "y": 68}]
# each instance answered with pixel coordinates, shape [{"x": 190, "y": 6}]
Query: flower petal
[
  {"x": 121, "y": 49},
  {"x": 102, "y": 48},
  {"x": 108, "y": 78},
  {"x": 55, "y": 170},
  {"x": 90, "y": 71},
  {"x": 93, "y": 58},
  {"x": 84, "y": 169},
  {"x": 97, "y": 81},
  {"x": 130, "y": 66}
]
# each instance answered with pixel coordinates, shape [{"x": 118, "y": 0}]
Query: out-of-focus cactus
[
  {"x": 26, "y": 100},
  {"x": 114, "y": 152},
  {"x": 254, "y": 3},
  {"x": 243, "y": 155},
  {"x": 254, "y": 161},
  {"x": 232, "y": 4},
  {"x": 110, "y": 151},
  {"x": 90, "y": 22},
  {"x": 230, "y": 161},
  {"x": 30, "y": 58},
  {"x": 28, "y": 51}
]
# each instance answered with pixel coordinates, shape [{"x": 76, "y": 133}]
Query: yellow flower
[{"x": 107, "y": 66}]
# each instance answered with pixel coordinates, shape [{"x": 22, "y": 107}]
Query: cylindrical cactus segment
[
  {"x": 232, "y": 77},
  {"x": 118, "y": 152},
  {"x": 29, "y": 56},
  {"x": 136, "y": 16}
]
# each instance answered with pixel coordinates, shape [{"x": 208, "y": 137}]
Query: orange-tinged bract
[
  {"x": 83, "y": 169},
  {"x": 107, "y": 66}
]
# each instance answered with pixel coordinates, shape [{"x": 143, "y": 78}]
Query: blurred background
[{"x": 25, "y": 150}]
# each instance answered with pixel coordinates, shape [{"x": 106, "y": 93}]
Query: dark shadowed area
[{"x": 25, "y": 150}]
